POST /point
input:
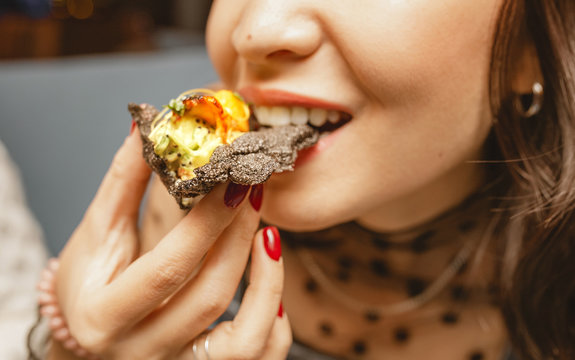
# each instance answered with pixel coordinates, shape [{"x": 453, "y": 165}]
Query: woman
[{"x": 436, "y": 224}]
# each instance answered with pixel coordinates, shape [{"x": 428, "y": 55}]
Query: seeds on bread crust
[{"x": 249, "y": 159}]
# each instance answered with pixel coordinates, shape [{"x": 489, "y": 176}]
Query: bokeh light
[
  {"x": 54, "y": 28},
  {"x": 80, "y": 9}
]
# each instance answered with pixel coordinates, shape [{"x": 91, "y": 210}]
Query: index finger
[
  {"x": 123, "y": 186},
  {"x": 163, "y": 270}
]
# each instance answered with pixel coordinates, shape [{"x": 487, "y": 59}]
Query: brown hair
[{"x": 538, "y": 277}]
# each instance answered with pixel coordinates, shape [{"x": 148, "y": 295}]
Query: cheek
[
  {"x": 428, "y": 74},
  {"x": 421, "y": 51}
]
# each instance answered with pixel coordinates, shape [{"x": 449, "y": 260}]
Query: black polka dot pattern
[
  {"x": 326, "y": 329},
  {"x": 477, "y": 355},
  {"x": 421, "y": 243},
  {"x": 372, "y": 316},
  {"x": 366, "y": 256},
  {"x": 359, "y": 347},
  {"x": 345, "y": 262},
  {"x": 369, "y": 258},
  {"x": 381, "y": 243},
  {"x": 380, "y": 267},
  {"x": 459, "y": 293},
  {"x": 311, "y": 286},
  {"x": 450, "y": 318},
  {"x": 415, "y": 286},
  {"x": 401, "y": 335}
]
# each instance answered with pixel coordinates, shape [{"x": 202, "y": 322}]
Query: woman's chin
[
  {"x": 295, "y": 211},
  {"x": 290, "y": 221},
  {"x": 313, "y": 197}
]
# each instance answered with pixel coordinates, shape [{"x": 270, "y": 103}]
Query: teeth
[
  {"x": 279, "y": 116},
  {"x": 332, "y": 116},
  {"x": 297, "y": 115},
  {"x": 263, "y": 115},
  {"x": 317, "y": 117}
]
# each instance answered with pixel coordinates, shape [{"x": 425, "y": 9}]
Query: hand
[
  {"x": 120, "y": 305},
  {"x": 260, "y": 330}
]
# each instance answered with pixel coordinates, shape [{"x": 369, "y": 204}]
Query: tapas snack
[{"x": 203, "y": 138}]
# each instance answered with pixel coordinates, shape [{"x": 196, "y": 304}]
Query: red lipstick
[{"x": 275, "y": 97}]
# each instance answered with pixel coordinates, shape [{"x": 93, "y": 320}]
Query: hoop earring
[{"x": 536, "y": 101}]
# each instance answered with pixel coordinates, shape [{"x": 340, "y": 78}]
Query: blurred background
[
  {"x": 68, "y": 69},
  {"x": 55, "y": 28}
]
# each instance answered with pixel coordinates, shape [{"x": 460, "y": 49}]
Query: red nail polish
[
  {"x": 133, "y": 127},
  {"x": 256, "y": 196},
  {"x": 272, "y": 242},
  {"x": 235, "y": 194},
  {"x": 281, "y": 311}
]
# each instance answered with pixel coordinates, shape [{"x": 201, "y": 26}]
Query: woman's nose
[{"x": 276, "y": 29}]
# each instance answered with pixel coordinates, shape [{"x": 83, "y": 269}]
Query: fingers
[
  {"x": 263, "y": 295},
  {"x": 125, "y": 182},
  {"x": 248, "y": 336},
  {"x": 163, "y": 270},
  {"x": 280, "y": 340},
  {"x": 218, "y": 344},
  {"x": 198, "y": 304},
  {"x": 161, "y": 214}
]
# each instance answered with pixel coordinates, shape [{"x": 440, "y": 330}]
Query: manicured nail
[
  {"x": 45, "y": 286},
  {"x": 53, "y": 264},
  {"x": 62, "y": 334},
  {"x": 46, "y": 299},
  {"x": 57, "y": 322},
  {"x": 272, "y": 242},
  {"x": 256, "y": 196},
  {"x": 235, "y": 194},
  {"x": 281, "y": 311},
  {"x": 50, "y": 310},
  {"x": 133, "y": 127}
]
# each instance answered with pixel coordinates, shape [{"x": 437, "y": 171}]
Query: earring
[{"x": 536, "y": 98}]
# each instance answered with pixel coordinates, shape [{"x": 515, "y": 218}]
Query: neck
[{"x": 426, "y": 203}]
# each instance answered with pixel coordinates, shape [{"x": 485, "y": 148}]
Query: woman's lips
[
  {"x": 278, "y": 98},
  {"x": 275, "y": 97},
  {"x": 324, "y": 142}
]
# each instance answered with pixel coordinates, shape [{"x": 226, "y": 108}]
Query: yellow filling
[{"x": 194, "y": 124}]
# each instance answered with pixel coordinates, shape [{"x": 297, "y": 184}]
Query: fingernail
[
  {"x": 53, "y": 264},
  {"x": 272, "y": 242},
  {"x": 235, "y": 194},
  {"x": 49, "y": 310},
  {"x": 45, "y": 286},
  {"x": 133, "y": 127},
  {"x": 57, "y": 322},
  {"x": 281, "y": 310},
  {"x": 61, "y": 334},
  {"x": 46, "y": 299},
  {"x": 256, "y": 196}
]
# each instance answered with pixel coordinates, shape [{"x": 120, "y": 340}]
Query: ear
[{"x": 526, "y": 66}]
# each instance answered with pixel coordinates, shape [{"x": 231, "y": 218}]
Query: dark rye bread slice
[{"x": 249, "y": 160}]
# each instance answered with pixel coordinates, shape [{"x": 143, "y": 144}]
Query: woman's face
[{"x": 413, "y": 74}]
